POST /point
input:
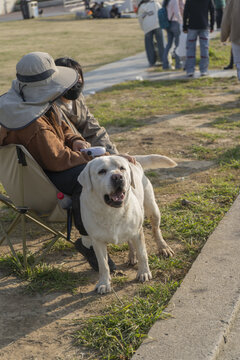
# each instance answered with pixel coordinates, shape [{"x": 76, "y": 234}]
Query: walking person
[
  {"x": 195, "y": 24},
  {"x": 175, "y": 12},
  {"x": 148, "y": 20},
  {"x": 219, "y": 6},
  {"x": 231, "y": 29}
]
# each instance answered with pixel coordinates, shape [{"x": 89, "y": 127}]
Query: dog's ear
[
  {"x": 131, "y": 175},
  {"x": 85, "y": 178}
]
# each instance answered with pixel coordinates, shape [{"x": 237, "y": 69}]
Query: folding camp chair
[{"x": 31, "y": 195}]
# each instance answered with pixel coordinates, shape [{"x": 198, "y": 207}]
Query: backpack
[{"x": 163, "y": 16}]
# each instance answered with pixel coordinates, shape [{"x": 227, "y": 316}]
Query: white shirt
[
  {"x": 175, "y": 10},
  {"x": 148, "y": 16}
]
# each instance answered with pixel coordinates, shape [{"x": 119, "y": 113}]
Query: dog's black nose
[{"x": 117, "y": 179}]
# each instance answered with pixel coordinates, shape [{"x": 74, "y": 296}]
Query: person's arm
[
  {"x": 186, "y": 16},
  {"x": 51, "y": 152},
  {"x": 91, "y": 130},
  {"x": 212, "y": 15}
]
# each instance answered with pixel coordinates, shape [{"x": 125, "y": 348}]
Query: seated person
[
  {"x": 77, "y": 115},
  {"x": 114, "y": 12},
  {"x": 103, "y": 13},
  {"x": 29, "y": 117},
  {"x": 95, "y": 10}
]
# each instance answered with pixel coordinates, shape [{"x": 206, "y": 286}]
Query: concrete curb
[{"x": 207, "y": 303}]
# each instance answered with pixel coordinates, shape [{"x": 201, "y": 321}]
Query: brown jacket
[
  {"x": 51, "y": 146},
  {"x": 230, "y": 27},
  {"x": 86, "y": 124}
]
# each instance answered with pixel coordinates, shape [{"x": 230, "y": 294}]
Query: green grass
[
  {"x": 43, "y": 277},
  {"x": 219, "y": 54},
  {"x": 155, "y": 99},
  {"x": 121, "y": 328}
]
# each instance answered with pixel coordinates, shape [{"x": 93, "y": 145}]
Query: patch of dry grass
[{"x": 91, "y": 42}]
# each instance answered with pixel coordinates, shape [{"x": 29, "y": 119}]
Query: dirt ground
[{"x": 40, "y": 326}]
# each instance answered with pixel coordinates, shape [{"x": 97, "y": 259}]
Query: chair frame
[{"x": 24, "y": 213}]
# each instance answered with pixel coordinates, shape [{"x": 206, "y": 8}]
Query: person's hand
[
  {"x": 130, "y": 158},
  {"x": 185, "y": 31},
  {"x": 80, "y": 144}
]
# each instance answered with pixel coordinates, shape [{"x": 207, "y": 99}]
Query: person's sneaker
[
  {"x": 190, "y": 74},
  {"x": 90, "y": 256},
  {"x": 204, "y": 73}
]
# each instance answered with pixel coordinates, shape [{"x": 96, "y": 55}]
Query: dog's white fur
[{"x": 106, "y": 223}]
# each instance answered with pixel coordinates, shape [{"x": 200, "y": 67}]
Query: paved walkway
[{"x": 135, "y": 68}]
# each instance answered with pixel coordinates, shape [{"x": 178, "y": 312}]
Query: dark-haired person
[
  {"x": 77, "y": 114},
  {"x": 196, "y": 25}
]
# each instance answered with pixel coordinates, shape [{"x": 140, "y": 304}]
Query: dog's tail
[{"x": 155, "y": 161}]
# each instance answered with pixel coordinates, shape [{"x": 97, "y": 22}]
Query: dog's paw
[
  {"x": 166, "y": 252},
  {"x": 132, "y": 259},
  {"x": 144, "y": 276},
  {"x": 103, "y": 288}
]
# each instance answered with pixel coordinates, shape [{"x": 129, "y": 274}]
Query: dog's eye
[
  {"x": 102, "y": 171},
  {"x": 122, "y": 168}
]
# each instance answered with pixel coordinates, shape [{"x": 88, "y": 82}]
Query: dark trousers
[
  {"x": 66, "y": 182},
  {"x": 219, "y": 15}
]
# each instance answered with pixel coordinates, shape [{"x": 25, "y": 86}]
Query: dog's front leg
[
  {"x": 144, "y": 273},
  {"x": 104, "y": 284},
  {"x": 132, "y": 256}
]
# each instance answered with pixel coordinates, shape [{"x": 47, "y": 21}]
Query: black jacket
[{"x": 195, "y": 15}]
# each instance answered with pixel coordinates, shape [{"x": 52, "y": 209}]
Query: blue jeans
[
  {"x": 173, "y": 34},
  {"x": 149, "y": 45},
  {"x": 191, "y": 50}
]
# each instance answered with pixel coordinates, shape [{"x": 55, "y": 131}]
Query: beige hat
[{"x": 39, "y": 83}]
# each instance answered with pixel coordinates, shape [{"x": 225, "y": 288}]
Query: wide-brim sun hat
[{"x": 39, "y": 82}]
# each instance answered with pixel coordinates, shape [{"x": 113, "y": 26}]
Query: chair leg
[
  {"x": 10, "y": 228},
  {"x": 22, "y": 215},
  {"x": 24, "y": 245},
  {"x": 11, "y": 246},
  {"x": 39, "y": 258}
]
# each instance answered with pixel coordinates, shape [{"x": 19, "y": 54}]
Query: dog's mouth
[{"x": 115, "y": 199}]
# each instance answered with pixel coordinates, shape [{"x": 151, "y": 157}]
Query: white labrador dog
[{"x": 115, "y": 197}]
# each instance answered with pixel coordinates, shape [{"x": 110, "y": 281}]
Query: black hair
[{"x": 68, "y": 62}]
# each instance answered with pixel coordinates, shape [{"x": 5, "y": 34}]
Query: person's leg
[
  {"x": 65, "y": 181},
  {"x": 219, "y": 15},
  {"x": 191, "y": 51},
  {"x": 204, "y": 51},
  {"x": 218, "y": 18},
  {"x": 236, "y": 57},
  {"x": 160, "y": 42},
  {"x": 230, "y": 65},
  {"x": 149, "y": 47},
  {"x": 167, "y": 48},
  {"x": 176, "y": 34}
]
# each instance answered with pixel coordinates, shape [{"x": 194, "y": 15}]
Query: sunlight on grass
[{"x": 43, "y": 277}]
